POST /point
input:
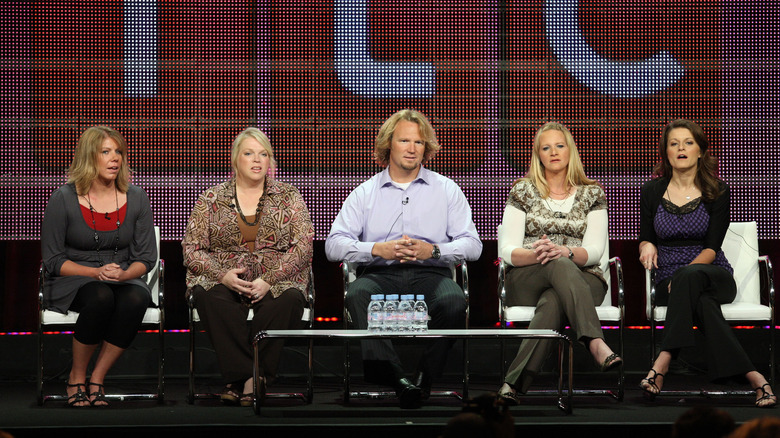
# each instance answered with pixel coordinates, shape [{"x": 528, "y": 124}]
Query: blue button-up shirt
[{"x": 432, "y": 208}]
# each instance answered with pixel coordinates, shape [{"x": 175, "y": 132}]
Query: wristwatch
[
  {"x": 436, "y": 253},
  {"x": 571, "y": 254}
]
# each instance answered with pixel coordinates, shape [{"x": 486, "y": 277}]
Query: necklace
[
  {"x": 94, "y": 226},
  {"x": 565, "y": 192},
  {"x": 241, "y": 213}
]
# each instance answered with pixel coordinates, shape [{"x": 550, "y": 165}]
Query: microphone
[
  {"x": 108, "y": 218},
  {"x": 405, "y": 201},
  {"x": 232, "y": 205}
]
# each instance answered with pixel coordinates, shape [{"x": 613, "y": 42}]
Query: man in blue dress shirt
[{"x": 404, "y": 227}]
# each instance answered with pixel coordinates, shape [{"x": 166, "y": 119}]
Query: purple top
[
  {"x": 681, "y": 232},
  {"x": 432, "y": 208}
]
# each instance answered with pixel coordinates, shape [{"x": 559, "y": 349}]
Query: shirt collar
[{"x": 424, "y": 176}]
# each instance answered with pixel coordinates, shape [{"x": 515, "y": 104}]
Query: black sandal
[
  {"x": 767, "y": 396},
  {"x": 100, "y": 396},
  {"x": 651, "y": 382},
  {"x": 79, "y": 396}
]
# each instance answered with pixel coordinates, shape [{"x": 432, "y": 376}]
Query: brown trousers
[
  {"x": 225, "y": 319},
  {"x": 561, "y": 292}
]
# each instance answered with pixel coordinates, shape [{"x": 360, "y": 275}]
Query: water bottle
[
  {"x": 420, "y": 321},
  {"x": 391, "y": 313},
  {"x": 376, "y": 316},
  {"x": 406, "y": 313}
]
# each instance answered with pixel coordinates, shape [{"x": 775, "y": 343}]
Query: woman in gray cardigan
[{"x": 97, "y": 240}]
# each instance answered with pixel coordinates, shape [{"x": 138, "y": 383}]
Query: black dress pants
[
  {"x": 695, "y": 297},
  {"x": 224, "y": 316}
]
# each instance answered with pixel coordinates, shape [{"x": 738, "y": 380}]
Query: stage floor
[{"x": 535, "y": 416}]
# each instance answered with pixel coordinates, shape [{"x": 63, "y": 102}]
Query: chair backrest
[
  {"x": 603, "y": 263},
  {"x": 741, "y": 249},
  {"x": 152, "y": 278}
]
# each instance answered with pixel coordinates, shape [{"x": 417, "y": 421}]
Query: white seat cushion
[
  {"x": 731, "y": 312},
  {"x": 50, "y": 317},
  {"x": 525, "y": 313}
]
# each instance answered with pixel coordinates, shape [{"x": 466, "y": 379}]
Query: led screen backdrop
[{"x": 181, "y": 78}]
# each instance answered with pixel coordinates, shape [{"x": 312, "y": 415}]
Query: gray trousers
[{"x": 561, "y": 292}]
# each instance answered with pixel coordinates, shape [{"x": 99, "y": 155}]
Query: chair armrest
[
  {"x": 161, "y": 284},
  {"x": 41, "y": 278},
  {"x": 650, "y": 294},
  {"x": 501, "y": 291},
  {"x": 765, "y": 264},
  {"x": 616, "y": 265}
]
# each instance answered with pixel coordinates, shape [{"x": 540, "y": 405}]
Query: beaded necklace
[
  {"x": 241, "y": 213},
  {"x": 94, "y": 226}
]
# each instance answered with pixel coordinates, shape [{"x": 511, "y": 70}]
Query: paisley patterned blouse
[{"x": 213, "y": 243}]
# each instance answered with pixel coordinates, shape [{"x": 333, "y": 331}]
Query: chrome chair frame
[
  {"x": 154, "y": 317},
  {"x": 606, "y": 313},
  {"x": 746, "y": 307},
  {"x": 308, "y": 317},
  {"x": 348, "y": 274}
]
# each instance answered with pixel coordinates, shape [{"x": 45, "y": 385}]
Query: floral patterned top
[
  {"x": 563, "y": 229},
  {"x": 213, "y": 243}
]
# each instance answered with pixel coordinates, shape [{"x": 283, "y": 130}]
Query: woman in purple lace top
[{"x": 684, "y": 218}]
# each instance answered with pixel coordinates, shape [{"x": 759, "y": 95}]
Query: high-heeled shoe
[
  {"x": 767, "y": 396},
  {"x": 79, "y": 396},
  {"x": 99, "y": 400},
  {"x": 650, "y": 384},
  {"x": 248, "y": 399},
  {"x": 508, "y": 395}
]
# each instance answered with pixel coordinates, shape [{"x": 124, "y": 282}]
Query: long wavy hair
[
  {"x": 706, "y": 178},
  {"x": 385, "y": 136},
  {"x": 84, "y": 168},
  {"x": 575, "y": 173}
]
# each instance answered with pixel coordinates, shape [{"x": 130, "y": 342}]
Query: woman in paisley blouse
[
  {"x": 248, "y": 244},
  {"x": 554, "y": 231},
  {"x": 684, "y": 218}
]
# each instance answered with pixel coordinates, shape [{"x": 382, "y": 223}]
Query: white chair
[
  {"x": 349, "y": 275},
  {"x": 307, "y": 318},
  {"x": 741, "y": 249},
  {"x": 607, "y": 312},
  {"x": 154, "y": 318}
]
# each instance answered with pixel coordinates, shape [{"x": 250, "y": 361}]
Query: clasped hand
[
  {"x": 110, "y": 272},
  {"x": 546, "y": 250},
  {"x": 404, "y": 249},
  {"x": 254, "y": 290}
]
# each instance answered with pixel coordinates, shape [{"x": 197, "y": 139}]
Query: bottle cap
[
  {"x": 420, "y": 297},
  {"x": 392, "y": 297}
]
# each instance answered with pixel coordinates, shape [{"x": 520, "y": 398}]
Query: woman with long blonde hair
[{"x": 553, "y": 235}]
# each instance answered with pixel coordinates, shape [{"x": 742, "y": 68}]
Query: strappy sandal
[
  {"x": 610, "y": 363},
  {"x": 100, "y": 396},
  {"x": 651, "y": 384},
  {"x": 509, "y": 396},
  {"x": 767, "y": 396},
  {"x": 79, "y": 396},
  {"x": 229, "y": 395},
  {"x": 248, "y": 399}
]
